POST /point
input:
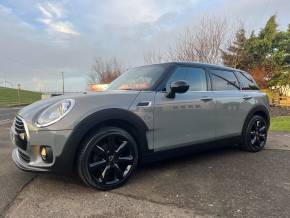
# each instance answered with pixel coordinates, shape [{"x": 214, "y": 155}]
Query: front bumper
[
  {"x": 27, "y": 156},
  {"x": 22, "y": 164}
]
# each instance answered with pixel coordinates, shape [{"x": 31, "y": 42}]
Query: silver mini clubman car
[{"x": 148, "y": 113}]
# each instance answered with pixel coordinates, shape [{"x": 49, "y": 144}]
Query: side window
[
  {"x": 224, "y": 80},
  {"x": 195, "y": 77},
  {"x": 246, "y": 81},
  {"x": 178, "y": 74}
]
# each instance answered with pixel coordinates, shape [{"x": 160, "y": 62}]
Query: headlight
[{"x": 55, "y": 112}]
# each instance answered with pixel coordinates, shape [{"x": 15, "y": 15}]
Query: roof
[{"x": 217, "y": 66}]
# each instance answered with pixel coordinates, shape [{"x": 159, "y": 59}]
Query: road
[
  {"x": 218, "y": 183},
  {"x": 7, "y": 114},
  {"x": 11, "y": 179}
]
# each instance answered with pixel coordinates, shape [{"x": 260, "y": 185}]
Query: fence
[
  {"x": 277, "y": 100},
  {"x": 282, "y": 101}
]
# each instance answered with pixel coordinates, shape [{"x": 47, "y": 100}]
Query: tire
[
  {"x": 108, "y": 158},
  {"x": 254, "y": 135}
]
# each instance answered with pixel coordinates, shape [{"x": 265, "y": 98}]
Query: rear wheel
[
  {"x": 108, "y": 158},
  {"x": 255, "y": 134}
]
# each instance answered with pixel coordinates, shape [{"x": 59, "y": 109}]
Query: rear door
[
  {"x": 229, "y": 100},
  {"x": 249, "y": 90},
  {"x": 187, "y": 118}
]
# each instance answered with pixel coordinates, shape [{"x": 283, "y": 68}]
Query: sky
[{"x": 40, "y": 39}]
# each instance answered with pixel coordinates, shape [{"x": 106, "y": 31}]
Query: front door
[{"x": 189, "y": 117}]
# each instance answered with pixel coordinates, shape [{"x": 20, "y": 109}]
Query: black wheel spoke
[
  {"x": 258, "y": 123},
  {"x": 262, "y": 129},
  {"x": 99, "y": 150},
  {"x": 111, "y": 159},
  {"x": 105, "y": 174},
  {"x": 262, "y": 139},
  {"x": 253, "y": 141},
  {"x": 258, "y": 134},
  {"x": 98, "y": 164},
  {"x": 121, "y": 147},
  {"x": 126, "y": 160},
  {"x": 118, "y": 172},
  {"x": 258, "y": 140}
]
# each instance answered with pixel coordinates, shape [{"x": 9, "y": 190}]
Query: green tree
[
  {"x": 281, "y": 46},
  {"x": 266, "y": 55},
  {"x": 235, "y": 55},
  {"x": 269, "y": 32},
  {"x": 260, "y": 49}
]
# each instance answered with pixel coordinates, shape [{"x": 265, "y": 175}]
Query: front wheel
[
  {"x": 108, "y": 158},
  {"x": 255, "y": 134}
]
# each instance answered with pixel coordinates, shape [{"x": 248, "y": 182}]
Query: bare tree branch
[
  {"x": 153, "y": 57},
  {"x": 201, "y": 43},
  {"x": 104, "y": 71}
]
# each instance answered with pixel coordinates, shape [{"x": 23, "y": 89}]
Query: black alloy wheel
[
  {"x": 108, "y": 158},
  {"x": 256, "y": 134}
]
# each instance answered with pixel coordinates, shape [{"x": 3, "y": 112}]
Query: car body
[{"x": 162, "y": 109}]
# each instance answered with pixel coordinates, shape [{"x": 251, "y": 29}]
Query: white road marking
[
  {"x": 2, "y": 122},
  {"x": 282, "y": 135},
  {"x": 11, "y": 108},
  {"x": 5, "y": 114}
]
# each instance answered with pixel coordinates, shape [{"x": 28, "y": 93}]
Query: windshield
[{"x": 139, "y": 78}]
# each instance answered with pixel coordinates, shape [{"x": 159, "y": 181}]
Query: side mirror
[{"x": 179, "y": 86}]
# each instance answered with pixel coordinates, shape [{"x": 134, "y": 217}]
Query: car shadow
[
  {"x": 171, "y": 163},
  {"x": 223, "y": 180},
  {"x": 192, "y": 157}
]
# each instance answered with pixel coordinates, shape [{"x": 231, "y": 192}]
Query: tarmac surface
[{"x": 219, "y": 183}]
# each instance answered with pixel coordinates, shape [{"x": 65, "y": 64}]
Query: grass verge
[
  {"x": 281, "y": 123},
  {"x": 9, "y": 97}
]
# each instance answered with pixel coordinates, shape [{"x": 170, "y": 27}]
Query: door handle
[
  {"x": 206, "y": 98},
  {"x": 144, "y": 104},
  {"x": 247, "y": 97}
]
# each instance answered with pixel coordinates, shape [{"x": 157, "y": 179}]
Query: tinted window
[
  {"x": 224, "y": 80},
  {"x": 195, "y": 77},
  {"x": 139, "y": 78},
  {"x": 246, "y": 81}
]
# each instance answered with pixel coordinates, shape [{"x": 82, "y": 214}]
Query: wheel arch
[
  {"x": 115, "y": 117},
  {"x": 257, "y": 110}
]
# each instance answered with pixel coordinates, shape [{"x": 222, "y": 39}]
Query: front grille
[
  {"x": 23, "y": 156},
  {"x": 19, "y": 126},
  {"x": 21, "y": 135}
]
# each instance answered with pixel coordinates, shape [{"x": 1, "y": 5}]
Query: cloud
[
  {"x": 60, "y": 26},
  {"x": 57, "y": 11},
  {"x": 44, "y": 11},
  {"x": 254, "y": 14},
  {"x": 53, "y": 17},
  {"x": 5, "y": 10},
  {"x": 66, "y": 36}
]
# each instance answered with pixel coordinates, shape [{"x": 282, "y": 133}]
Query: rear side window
[
  {"x": 224, "y": 80},
  {"x": 246, "y": 81},
  {"x": 195, "y": 77}
]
